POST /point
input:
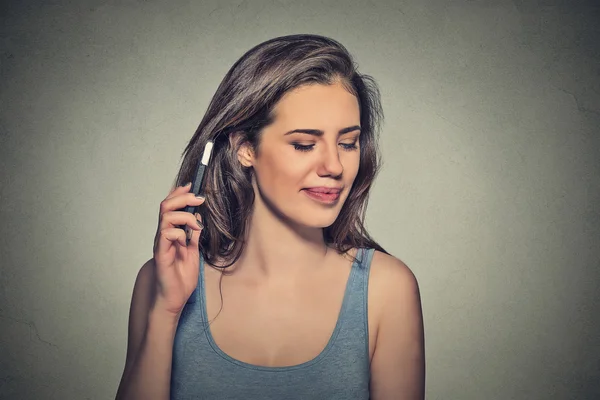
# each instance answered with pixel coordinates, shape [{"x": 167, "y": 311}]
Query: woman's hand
[{"x": 177, "y": 264}]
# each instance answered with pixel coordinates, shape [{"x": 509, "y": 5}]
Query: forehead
[{"x": 317, "y": 103}]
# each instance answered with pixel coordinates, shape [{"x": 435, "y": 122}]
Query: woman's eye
[
  {"x": 349, "y": 146},
  {"x": 309, "y": 147},
  {"x": 301, "y": 147}
]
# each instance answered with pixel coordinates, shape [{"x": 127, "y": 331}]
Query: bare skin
[
  {"x": 282, "y": 300},
  {"x": 279, "y": 323}
]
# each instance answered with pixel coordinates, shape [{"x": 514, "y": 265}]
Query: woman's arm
[
  {"x": 147, "y": 372},
  {"x": 398, "y": 364}
]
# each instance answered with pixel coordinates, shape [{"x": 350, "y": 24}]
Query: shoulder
[
  {"x": 394, "y": 297},
  {"x": 391, "y": 276},
  {"x": 398, "y": 363}
]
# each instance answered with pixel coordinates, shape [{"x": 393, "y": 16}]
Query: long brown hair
[{"x": 243, "y": 105}]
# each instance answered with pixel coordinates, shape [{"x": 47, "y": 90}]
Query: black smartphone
[{"x": 198, "y": 185}]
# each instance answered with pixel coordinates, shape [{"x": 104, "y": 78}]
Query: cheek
[
  {"x": 279, "y": 174},
  {"x": 351, "y": 164}
]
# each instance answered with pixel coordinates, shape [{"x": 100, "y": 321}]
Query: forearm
[{"x": 150, "y": 375}]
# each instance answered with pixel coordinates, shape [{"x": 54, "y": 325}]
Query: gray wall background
[{"x": 490, "y": 188}]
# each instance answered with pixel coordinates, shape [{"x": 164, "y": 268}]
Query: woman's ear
[{"x": 244, "y": 149}]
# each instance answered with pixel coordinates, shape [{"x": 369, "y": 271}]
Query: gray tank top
[{"x": 201, "y": 370}]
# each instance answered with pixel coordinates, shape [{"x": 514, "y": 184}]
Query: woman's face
[{"x": 293, "y": 169}]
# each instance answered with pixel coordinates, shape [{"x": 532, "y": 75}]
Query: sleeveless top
[{"x": 201, "y": 370}]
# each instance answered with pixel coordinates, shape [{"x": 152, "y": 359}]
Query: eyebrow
[{"x": 318, "y": 132}]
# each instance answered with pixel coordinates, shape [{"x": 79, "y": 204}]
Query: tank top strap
[
  {"x": 354, "y": 332},
  {"x": 361, "y": 268},
  {"x": 195, "y": 296},
  {"x": 365, "y": 257}
]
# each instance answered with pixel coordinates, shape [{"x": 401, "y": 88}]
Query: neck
[{"x": 277, "y": 249}]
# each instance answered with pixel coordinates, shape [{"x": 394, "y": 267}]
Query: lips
[
  {"x": 323, "y": 195},
  {"x": 324, "y": 190}
]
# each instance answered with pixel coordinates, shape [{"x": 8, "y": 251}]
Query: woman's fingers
[
  {"x": 171, "y": 235},
  {"x": 166, "y": 239},
  {"x": 170, "y": 230},
  {"x": 176, "y": 218},
  {"x": 199, "y": 220},
  {"x": 172, "y": 219},
  {"x": 196, "y": 233},
  {"x": 179, "y": 202},
  {"x": 171, "y": 208}
]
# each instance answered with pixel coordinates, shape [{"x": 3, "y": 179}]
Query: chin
[
  {"x": 313, "y": 220},
  {"x": 307, "y": 214},
  {"x": 320, "y": 218}
]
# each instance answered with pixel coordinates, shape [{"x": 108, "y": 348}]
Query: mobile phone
[{"x": 198, "y": 185}]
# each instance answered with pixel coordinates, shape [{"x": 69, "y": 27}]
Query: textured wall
[{"x": 490, "y": 189}]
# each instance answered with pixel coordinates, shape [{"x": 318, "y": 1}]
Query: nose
[{"x": 329, "y": 163}]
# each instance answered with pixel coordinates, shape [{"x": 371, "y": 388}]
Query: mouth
[
  {"x": 325, "y": 189},
  {"x": 323, "y": 195}
]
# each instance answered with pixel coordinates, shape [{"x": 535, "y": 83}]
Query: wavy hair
[{"x": 243, "y": 105}]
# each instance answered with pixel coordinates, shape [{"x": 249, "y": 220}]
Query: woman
[{"x": 281, "y": 292}]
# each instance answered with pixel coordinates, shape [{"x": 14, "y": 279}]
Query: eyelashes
[{"x": 309, "y": 147}]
